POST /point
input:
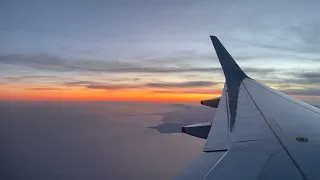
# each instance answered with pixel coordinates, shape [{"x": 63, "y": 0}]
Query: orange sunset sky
[{"x": 83, "y": 94}]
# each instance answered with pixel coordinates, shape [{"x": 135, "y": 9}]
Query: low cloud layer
[
  {"x": 190, "y": 84},
  {"x": 309, "y": 77},
  {"x": 44, "y": 88},
  {"x": 303, "y": 92},
  {"x": 117, "y": 81},
  {"x": 47, "y": 62},
  {"x": 58, "y": 64},
  {"x": 161, "y": 85}
]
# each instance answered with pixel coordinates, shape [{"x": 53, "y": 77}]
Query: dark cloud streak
[
  {"x": 161, "y": 85},
  {"x": 44, "y": 89},
  {"x": 22, "y": 78},
  {"x": 58, "y": 64},
  {"x": 182, "y": 84},
  {"x": 303, "y": 92},
  {"x": 193, "y": 91},
  {"x": 311, "y": 78},
  {"x": 298, "y": 40}
]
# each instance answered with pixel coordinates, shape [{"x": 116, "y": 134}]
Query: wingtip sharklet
[{"x": 230, "y": 67}]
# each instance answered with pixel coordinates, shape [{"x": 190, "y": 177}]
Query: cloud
[
  {"x": 303, "y": 92},
  {"x": 41, "y": 79},
  {"x": 259, "y": 70},
  {"x": 308, "y": 34},
  {"x": 182, "y": 115},
  {"x": 56, "y": 63},
  {"x": 44, "y": 89},
  {"x": 193, "y": 91},
  {"x": 168, "y": 127},
  {"x": 310, "y": 78},
  {"x": 47, "y": 62},
  {"x": 160, "y": 85},
  {"x": 98, "y": 85},
  {"x": 189, "y": 84},
  {"x": 79, "y": 83},
  {"x": 310, "y": 75},
  {"x": 305, "y": 79},
  {"x": 299, "y": 40},
  {"x": 51, "y": 63},
  {"x": 22, "y": 78},
  {"x": 185, "y": 57},
  {"x": 112, "y": 86}
]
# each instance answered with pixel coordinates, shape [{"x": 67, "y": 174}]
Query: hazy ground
[{"x": 97, "y": 140}]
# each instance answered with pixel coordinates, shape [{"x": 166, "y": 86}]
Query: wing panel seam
[
  {"x": 264, "y": 166},
  {"x": 214, "y": 165},
  {"x": 279, "y": 140},
  {"x": 228, "y": 116}
]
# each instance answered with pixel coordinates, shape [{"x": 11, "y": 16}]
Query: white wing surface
[{"x": 258, "y": 133}]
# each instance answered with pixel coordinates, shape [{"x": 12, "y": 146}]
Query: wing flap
[
  {"x": 254, "y": 160},
  {"x": 214, "y": 103},
  {"x": 218, "y": 137},
  {"x": 200, "y": 130}
]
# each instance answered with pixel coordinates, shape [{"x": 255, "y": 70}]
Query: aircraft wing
[{"x": 258, "y": 133}]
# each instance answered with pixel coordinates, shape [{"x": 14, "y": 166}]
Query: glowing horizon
[{"x": 80, "y": 94}]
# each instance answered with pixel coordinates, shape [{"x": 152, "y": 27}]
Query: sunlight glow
[{"x": 10, "y": 93}]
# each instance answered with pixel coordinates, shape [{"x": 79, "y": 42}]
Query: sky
[{"x": 154, "y": 50}]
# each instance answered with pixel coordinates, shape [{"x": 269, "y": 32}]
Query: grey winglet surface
[
  {"x": 234, "y": 76},
  {"x": 230, "y": 68}
]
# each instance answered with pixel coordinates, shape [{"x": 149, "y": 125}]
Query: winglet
[{"x": 230, "y": 68}]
